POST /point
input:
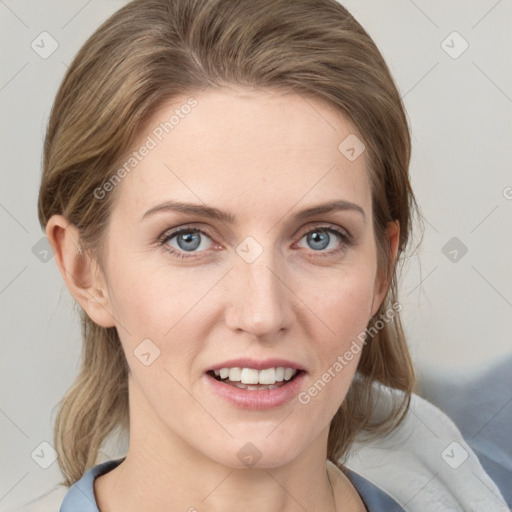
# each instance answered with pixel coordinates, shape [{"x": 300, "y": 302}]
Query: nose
[{"x": 260, "y": 300}]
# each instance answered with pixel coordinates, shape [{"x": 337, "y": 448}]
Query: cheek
[
  {"x": 155, "y": 300},
  {"x": 168, "y": 306},
  {"x": 344, "y": 310},
  {"x": 149, "y": 298},
  {"x": 343, "y": 303}
]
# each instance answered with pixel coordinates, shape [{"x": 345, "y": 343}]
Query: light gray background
[{"x": 457, "y": 314}]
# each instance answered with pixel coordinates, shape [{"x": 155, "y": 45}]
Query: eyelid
[
  {"x": 305, "y": 229},
  {"x": 328, "y": 225},
  {"x": 345, "y": 236},
  {"x": 169, "y": 233}
]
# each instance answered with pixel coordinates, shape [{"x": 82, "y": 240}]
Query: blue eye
[
  {"x": 188, "y": 240},
  {"x": 320, "y": 237},
  {"x": 191, "y": 240}
]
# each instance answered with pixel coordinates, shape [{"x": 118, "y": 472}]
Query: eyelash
[{"x": 346, "y": 240}]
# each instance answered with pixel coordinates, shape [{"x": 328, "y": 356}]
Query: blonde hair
[{"x": 153, "y": 50}]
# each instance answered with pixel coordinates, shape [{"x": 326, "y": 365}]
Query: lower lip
[{"x": 257, "y": 399}]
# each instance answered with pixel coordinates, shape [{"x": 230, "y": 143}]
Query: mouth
[
  {"x": 251, "y": 379},
  {"x": 256, "y": 384}
]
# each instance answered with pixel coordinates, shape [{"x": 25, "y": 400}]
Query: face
[{"x": 271, "y": 284}]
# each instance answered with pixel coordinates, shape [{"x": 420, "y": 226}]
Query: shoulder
[
  {"x": 424, "y": 463},
  {"x": 79, "y": 497}
]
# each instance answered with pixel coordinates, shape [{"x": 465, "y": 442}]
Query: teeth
[
  {"x": 267, "y": 376},
  {"x": 234, "y": 374},
  {"x": 289, "y": 373},
  {"x": 248, "y": 376},
  {"x": 255, "y": 388}
]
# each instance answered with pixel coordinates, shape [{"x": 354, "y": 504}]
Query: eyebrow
[{"x": 228, "y": 218}]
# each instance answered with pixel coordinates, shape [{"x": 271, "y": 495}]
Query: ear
[
  {"x": 383, "y": 281},
  {"x": 81, "y": 273}
]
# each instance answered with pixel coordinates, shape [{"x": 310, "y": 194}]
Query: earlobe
[
  {"x": 80, "y": 271},
  {"x": 383, "y": 281}
]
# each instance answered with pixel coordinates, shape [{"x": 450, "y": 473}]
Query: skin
[{"x": 262, "y": 155}]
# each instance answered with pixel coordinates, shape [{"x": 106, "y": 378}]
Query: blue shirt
[{"x": 80, "y": 496}]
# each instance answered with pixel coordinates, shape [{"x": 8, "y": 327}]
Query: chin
[{"x": 258, "y": 452}]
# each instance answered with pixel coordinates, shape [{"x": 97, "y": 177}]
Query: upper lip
[{"x": 261, "y": 364}]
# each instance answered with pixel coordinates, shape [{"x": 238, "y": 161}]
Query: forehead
[{"x": 256, "y": 151}]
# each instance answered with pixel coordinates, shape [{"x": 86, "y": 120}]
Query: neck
[
  {"x": 148, "y": 480},
  {"x": 162, "y": 472}
]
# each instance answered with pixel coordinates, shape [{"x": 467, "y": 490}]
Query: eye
[
  {"x": 321, "y": 237},
  {"x": 188, "y": 240}
]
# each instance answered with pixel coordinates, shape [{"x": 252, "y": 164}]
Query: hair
[{"x": 151, "y": 51}]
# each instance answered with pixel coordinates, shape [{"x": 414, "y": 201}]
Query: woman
[{"x": 226, "y": 192}]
